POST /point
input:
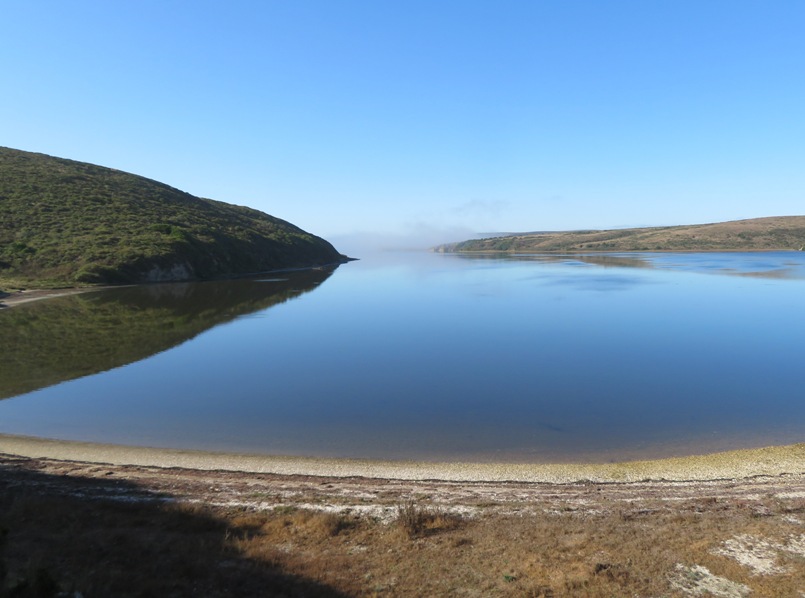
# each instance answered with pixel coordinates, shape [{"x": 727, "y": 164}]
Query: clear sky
[{"x": 432, "y": 118}]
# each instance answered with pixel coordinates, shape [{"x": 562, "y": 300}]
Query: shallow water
[{"x": 427, "y": 356}]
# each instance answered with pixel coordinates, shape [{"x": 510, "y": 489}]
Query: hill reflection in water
[
  {"x": 433, "y": 356},
  {"x": 48, "y": 342},
  {"x": 751, "y": 264}
]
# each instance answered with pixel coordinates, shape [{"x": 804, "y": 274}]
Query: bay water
[{"x": 417, "y": 355}]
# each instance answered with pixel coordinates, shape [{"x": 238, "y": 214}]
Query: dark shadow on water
[
  {"x": 61, "y": 534},
  {"x": 64, "y": 338}
]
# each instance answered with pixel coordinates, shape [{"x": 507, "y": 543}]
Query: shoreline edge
[{"x": 736, "y": 464}]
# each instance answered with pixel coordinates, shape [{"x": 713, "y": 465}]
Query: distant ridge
[
  {"x": 786, "y": 233},
  {"x": 67, "y": 222}
]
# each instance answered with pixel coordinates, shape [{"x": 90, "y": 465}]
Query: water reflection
[
  {"x": 69, "y": 337},
  {"x": 429, "y": 356},
  {"x": 789, "y": 265}
]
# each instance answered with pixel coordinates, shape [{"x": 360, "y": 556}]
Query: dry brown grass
[
  {"x": 419, "y": 520},
  {"x": 113, "y": 548},
  {"x": 64, "y": 535}
]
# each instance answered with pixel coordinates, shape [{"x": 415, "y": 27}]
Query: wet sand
[{"x": 768, "y": 461}]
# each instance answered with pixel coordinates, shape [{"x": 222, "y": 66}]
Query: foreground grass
[{"x": 108, "y": 537}]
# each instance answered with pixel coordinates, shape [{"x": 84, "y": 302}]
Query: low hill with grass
[
  {"x": 784, "y": 233},
  {"x": 64, "y": 222}
]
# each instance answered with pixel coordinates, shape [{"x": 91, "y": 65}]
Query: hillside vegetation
[
  {"x": 758, "y": 234},
  {"x": 64, "y": 222}
]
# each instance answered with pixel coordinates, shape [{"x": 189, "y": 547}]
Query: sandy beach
[{"x": 768, "y": 461}]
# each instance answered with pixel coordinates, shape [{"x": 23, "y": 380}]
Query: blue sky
[{"x": 424, "y": 118}]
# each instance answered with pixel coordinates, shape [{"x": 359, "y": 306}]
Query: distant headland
[{"x": 778, "y": 233}]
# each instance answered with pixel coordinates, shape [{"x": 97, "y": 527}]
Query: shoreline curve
[{"x": 736, "y": 464}]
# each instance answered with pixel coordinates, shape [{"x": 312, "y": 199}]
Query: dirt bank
[
  {"x": 246, "y": 533},
  {"x": 105, "y": 520}
]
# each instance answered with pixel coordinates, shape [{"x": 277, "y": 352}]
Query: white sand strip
[{"x": 769, "y": 461}]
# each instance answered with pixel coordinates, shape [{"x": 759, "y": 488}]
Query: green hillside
[
  {"x": 785, "y": 233},
  {"x": 64, "y": 222}
]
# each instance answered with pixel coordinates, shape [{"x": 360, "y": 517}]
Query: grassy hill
[
  {"x": 64, "y": 222},
  {"x": 758, "y": 234}
]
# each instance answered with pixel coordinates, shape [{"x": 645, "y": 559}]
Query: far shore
[
  {"x": 619, "y": 251},
  {"x": 738, "y": 464}
]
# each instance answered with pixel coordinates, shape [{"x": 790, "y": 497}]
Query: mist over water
[
  {"x": 449, "y": 357},
  {"x": 419, "y": 238}
]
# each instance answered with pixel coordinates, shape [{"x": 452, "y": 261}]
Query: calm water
[{"x": 427, "y": 356}]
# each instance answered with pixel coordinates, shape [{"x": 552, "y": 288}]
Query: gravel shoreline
[{"x": 767, "y": 461}]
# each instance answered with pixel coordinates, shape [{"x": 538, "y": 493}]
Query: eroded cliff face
[{"x": 175, "y": 273}]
